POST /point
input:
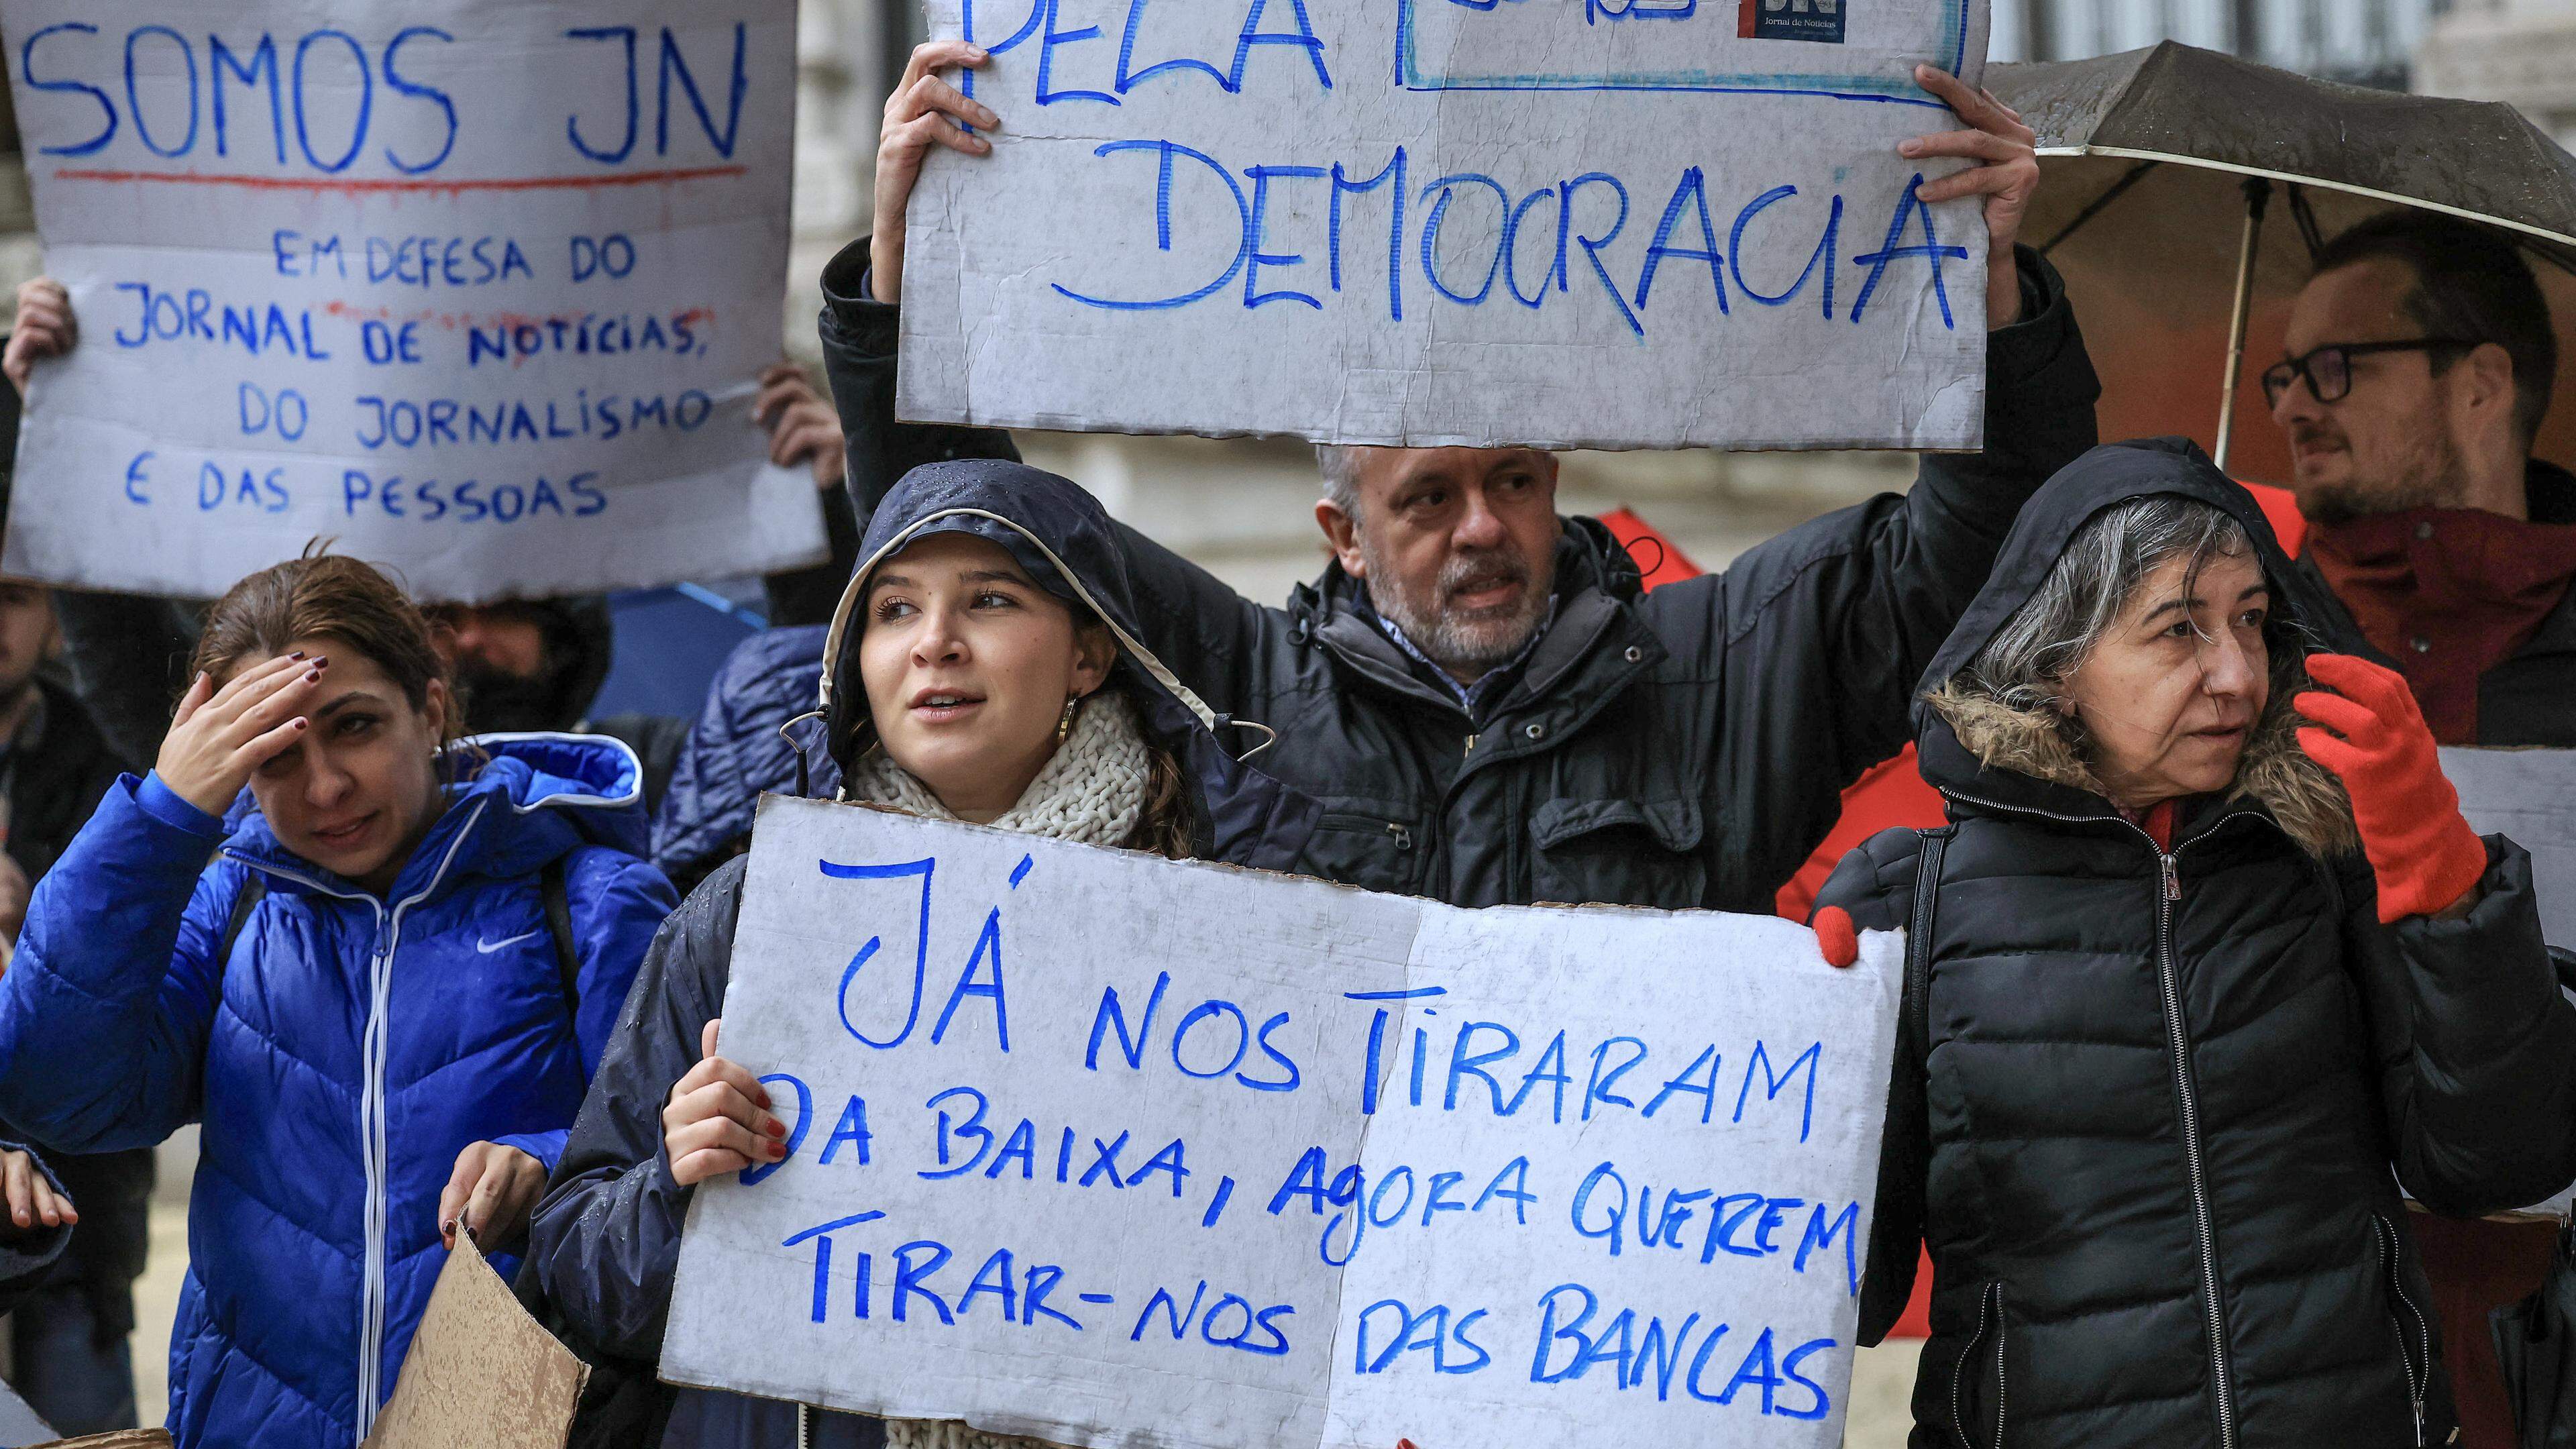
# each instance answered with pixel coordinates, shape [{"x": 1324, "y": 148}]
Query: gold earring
[{"x": 1064, "y": 721}]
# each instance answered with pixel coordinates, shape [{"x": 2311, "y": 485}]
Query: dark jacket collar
[{"x": 1596, "y": 584}]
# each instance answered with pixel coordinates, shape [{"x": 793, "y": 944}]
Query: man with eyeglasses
[{"x": 2420, "y": 364}]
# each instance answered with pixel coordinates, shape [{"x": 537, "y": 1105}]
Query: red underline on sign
[{"x": 364, "y": 186}]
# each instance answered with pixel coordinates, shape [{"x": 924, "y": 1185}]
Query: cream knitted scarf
[{"x": 1091, "y": 790}]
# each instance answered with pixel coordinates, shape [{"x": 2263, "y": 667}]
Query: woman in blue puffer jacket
[{"x": 383, "y": 995}]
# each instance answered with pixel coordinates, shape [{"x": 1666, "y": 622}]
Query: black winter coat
[
  {"x": 2528, "y": 699},
  {"x": 605, "y": 1242},
  {"x": 1682, "y": 749},
  {"x": 52, "y": 780},
  {"x": 2146, "y": 1111}
]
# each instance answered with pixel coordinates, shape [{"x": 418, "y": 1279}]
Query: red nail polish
[
  {"x": 777, "y": 1150},
  {"x": 300, "y": 722},
  {"x": 298, "y": 654},
  {"x": 774, "y": 1127}
]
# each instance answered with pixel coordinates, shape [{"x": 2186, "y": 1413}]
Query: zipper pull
[
  {"x": 1469, "y": 752},
  {"x": 2173, "y": 878},
  {"x": 1403, "y": 837}
]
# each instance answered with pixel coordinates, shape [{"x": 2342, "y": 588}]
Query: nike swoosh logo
[{"x": 488, "y": 947}]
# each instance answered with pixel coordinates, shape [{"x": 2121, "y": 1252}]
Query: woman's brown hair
[{"x": 327, "y": 596}]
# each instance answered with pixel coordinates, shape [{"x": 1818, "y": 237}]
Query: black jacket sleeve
[
  {"x": 605, "y": 1242},
  {"x": 1875, "y": 885},
  {"x": 26, "y": 1254},
  {"x": 2476, "y": 1044},
  {"x": 1215, "y": 639},
  {"x": 1818, "y": 638}
]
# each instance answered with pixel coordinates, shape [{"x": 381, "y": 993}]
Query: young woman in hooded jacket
[
  {"x": 2210, "y": 968},
  {"x": 983, "y": 666},
  {"x": 382, "y": 989}
]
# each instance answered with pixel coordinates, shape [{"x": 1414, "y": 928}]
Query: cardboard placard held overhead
[
  {"x": 1111, "y": 1150},
  {"x": 1599, "y": 223},
  {"x": 478, "y": 288}
]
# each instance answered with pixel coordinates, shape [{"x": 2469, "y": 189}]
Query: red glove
[
  {"x": 2421, "y": 848},
  {"x": 1835, "y": 937}
]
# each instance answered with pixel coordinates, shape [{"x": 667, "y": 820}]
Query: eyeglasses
[{"x": 2328, "y": 369}]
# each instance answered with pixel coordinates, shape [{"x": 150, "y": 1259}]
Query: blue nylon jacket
[
  {"x": 413, "y": 1024},
  {"x": 734, "y": 753}
]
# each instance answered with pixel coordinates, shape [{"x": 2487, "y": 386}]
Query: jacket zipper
[
  {"x": 2202, "y": 1223},
  {"x": 1396, "y": 830},
  {"x": 1991, "y": 1299},
  {"x": 2168, "y": 893},
  {"x": 2390, "y": 1267},
  {"x": 374, "y": 1147}
]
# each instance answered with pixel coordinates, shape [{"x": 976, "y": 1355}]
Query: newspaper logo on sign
[{"x": 1817, "y": 20}]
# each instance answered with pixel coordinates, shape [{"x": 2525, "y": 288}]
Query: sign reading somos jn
[
  {"x": 1093, "y": 1146},
  {"x": 477, "y": 287},
  {"x": 1616, "y": 223}
]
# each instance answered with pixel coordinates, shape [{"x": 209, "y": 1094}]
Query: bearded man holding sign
[{"x": 1489, "y": 707}]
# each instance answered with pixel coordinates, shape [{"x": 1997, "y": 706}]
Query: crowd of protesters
[{"x": 2214, "y": 975}]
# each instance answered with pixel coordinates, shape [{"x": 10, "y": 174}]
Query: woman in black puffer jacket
[{"x": 2185, "y": 1002}]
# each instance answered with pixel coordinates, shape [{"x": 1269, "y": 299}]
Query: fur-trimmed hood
[
  {"x": 1980, "y": 751},
  {"x": 2305, "y": 797}
]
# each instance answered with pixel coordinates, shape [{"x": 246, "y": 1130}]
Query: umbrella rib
[
  {"x": 2527, "y": 230},
  {"x": 2094, "y": 207}
]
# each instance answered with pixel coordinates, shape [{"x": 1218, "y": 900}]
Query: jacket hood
[
  {"x": 536, "y": 797},
  {"x": 1982, "y": 750},
  {"x": 1060, "y": 535}
]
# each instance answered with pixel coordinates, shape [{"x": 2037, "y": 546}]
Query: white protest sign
[
  {"x": 477, "y": 287},
  {"x": 1608, "y": 223},
  {"x": 2529, "y": 795},
  {"x": 1110, "y": 1150}
]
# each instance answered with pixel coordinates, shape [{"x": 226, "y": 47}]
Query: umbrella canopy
[{"x": 2152, "y": 157}]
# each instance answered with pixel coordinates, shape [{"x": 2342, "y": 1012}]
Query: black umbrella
[{"x": 2162, "y": 167}]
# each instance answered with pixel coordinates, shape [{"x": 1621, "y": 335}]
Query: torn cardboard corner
[
  {"x": 480, "y": 1370},
  {"x": 120, "y": 1439}
]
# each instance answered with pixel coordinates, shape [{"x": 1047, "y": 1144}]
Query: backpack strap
[
  {"x": 550, "y": 882},
  {"x": 254, "y": 886},
  {"x": 1917, "y": 1026}
]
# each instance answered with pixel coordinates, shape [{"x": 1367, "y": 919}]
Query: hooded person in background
[
  {"x": 969, "y": 678},
  {"x": 2420, "y": 363},
  {"x": 1479, "y": 690},
  {"x": 522, "y": 666},
  {"x": 2208, "y": 965}
]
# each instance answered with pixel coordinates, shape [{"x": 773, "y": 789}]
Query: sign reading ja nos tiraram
[{"x": 1106, "y": 1149}]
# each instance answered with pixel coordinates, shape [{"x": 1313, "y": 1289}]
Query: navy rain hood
[{"x": 1061, "y": 536}]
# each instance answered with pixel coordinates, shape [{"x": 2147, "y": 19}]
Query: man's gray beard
[
  {"x": 2428, "y": 477},
  {"x": 1465, "y": 648}
]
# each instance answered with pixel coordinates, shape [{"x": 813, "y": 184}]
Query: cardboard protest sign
[
  {"x": 2529, "y": 795},
  {"x": 480, "y": 1370},
  {"x": 1605, "y": 223},
  {"x": 1106, "y": 1149},
  {"x": 479, "y": 288}
]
